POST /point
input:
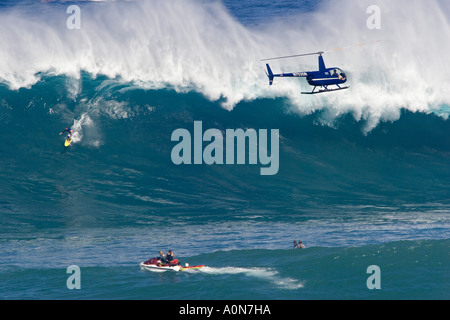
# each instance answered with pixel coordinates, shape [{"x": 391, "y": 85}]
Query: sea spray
[{"x": 199, "y": 46}]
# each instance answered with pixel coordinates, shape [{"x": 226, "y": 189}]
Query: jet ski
[{"x": 154, "y": 264}]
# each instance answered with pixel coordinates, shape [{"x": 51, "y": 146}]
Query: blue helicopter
[{"x": 323, "y": 78}]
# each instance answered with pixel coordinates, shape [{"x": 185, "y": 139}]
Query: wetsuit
[
  {"x": 170, "y": 258},
  {"x": 68, "y": 130}
]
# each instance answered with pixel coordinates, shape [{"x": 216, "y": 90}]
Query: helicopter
[{"x": 323, "y": 78}]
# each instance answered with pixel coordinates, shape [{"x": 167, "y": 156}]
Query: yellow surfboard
[{"x": 67, "y": 142}]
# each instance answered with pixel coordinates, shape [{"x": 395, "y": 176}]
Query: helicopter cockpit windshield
[{"x": 338, "y": 73}]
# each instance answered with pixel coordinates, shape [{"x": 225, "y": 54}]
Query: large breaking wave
[{"x": 197, "y": 45}]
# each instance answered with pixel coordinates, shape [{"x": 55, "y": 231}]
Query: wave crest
[{"x": 198, "y": 45}]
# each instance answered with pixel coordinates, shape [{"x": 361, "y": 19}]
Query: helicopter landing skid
[{"x": 325, "y": 90}]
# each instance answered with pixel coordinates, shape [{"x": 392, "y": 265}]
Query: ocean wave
[{"x": 196, "y": 45}]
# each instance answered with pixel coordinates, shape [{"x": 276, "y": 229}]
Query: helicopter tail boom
[{"x": 272, "y": 76}]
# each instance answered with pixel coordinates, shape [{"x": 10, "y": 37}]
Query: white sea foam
[
  {"x": 260, "y": 273},
  {"x": 84, "y": 129},
  {"x": 198, "y": 45}
]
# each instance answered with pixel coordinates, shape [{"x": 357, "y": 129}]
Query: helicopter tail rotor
[{"x": 269, "y": 74}]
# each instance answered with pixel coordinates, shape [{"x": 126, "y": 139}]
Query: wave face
[
  {"x": 200, "y": 46},
  {"x": 121, "y": 155},
  {"x": 362, "y": 173}
]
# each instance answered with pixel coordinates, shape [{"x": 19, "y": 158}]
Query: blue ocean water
[{"x": 363, "y": 179}]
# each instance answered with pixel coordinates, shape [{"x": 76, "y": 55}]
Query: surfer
[
  {"x": 69, "y": 131},
  {"x": 299, "y": 245}
]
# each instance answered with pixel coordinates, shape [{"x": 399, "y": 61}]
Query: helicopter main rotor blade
[
  {"x": 293, "y": 56},
  {"x": 355, "y": 45},
  {"x": 320, "y": 52}
]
